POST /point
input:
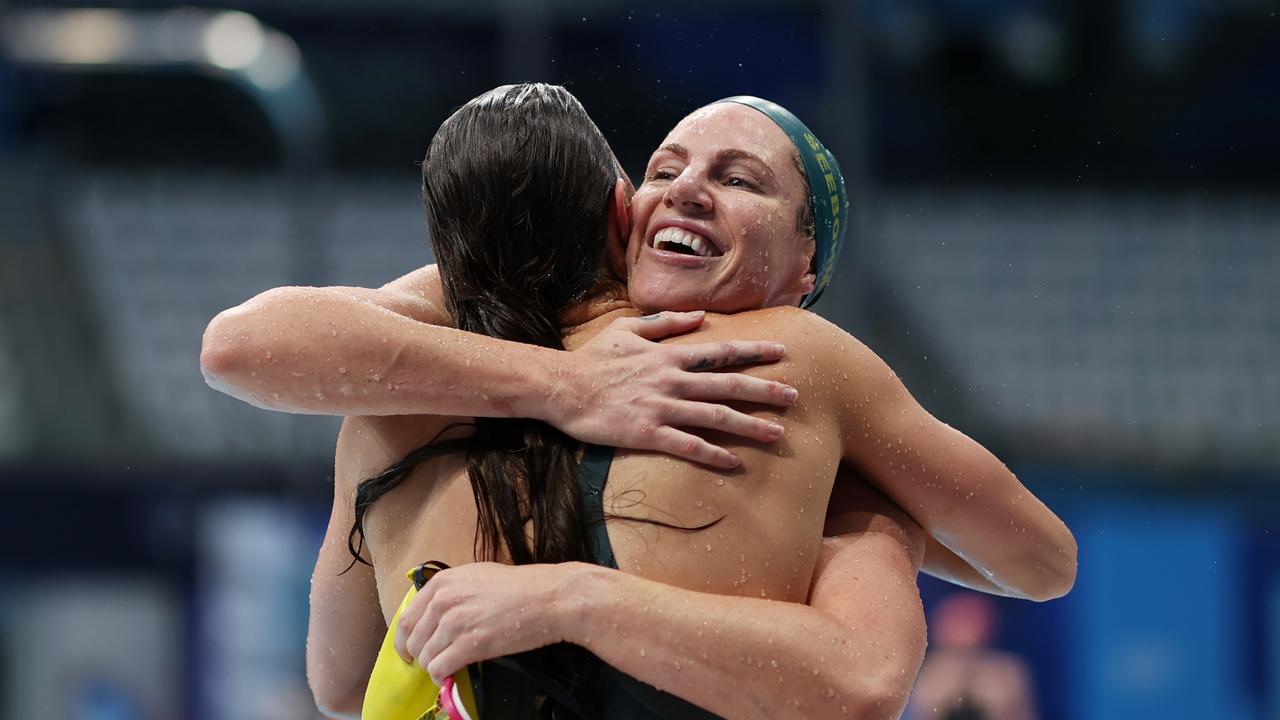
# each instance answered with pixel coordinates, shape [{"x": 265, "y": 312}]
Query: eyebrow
[
  {"x": 677, "y": 149},
  {"x": 682, "y": 152},
  {"x": 736, "y": 154}
]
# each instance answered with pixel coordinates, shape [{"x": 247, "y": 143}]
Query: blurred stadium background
[{"x": 1068, "y": 244}]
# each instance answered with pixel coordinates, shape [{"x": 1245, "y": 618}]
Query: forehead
[{"x": 731, "y": 126}]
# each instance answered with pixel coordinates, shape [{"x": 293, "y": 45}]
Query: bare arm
[
  {"x": 358, "y": 351},
  {"x": 953, "y": 487},
  {"x": 853, "y": 652},
  {"x": 847, "y": 513},
  {"x": 942, "y": 563},
  {"x": 345, "y": 627},
  {"x": 352, "y": 351}
]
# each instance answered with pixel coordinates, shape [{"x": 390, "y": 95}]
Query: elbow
[
  {"x": 334, "y": 699},
  {"x": 342, "y": 708},
  {"x": 1065, "y": 576},
  {"x": 232, "y": 349},
  {"x": 873, "y": 698},
  {"x": 223, "y": 353},
  {"x": 1058, "y": 570}
]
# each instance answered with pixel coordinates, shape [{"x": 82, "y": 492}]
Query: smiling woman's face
[{"x": 715, "y": 223}]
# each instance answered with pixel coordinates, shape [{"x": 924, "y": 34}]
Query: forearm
[
  {"x": 741, "y": 657},
  {"x": 942, "y": 563},
  {"x": 966, "y": 499},
  {"x": 986, "y": 518},
  {"x": 325, "y": 351},
  {"x": 345, "y": 626}
]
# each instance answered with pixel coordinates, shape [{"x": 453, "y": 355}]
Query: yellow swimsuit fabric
[{"x": 404, "y": 691}]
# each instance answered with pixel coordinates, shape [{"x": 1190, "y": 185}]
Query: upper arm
[
  {"x": 240, "y": 334},
  {"x": 866, "y": 579},
  {"x": 952, "y": 486},
  {"x": 418, "y": 295},
  {"x": 346, "y": 626}
]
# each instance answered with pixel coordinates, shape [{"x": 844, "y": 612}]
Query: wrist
[
  {"x": 551, "y": 387},
  {"x": 526, "y": 375},
  {"x": 583, "y": 598}
]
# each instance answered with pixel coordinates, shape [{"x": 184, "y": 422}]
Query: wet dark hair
[{"x": 517, "y": 186}]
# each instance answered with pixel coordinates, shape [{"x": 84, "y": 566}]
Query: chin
[{"x": 654, "y": 295}]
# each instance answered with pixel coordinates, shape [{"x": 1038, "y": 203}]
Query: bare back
[{"x": 770, "y": 511}]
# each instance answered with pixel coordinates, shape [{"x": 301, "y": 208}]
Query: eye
[
  {"x": 739, "y": 181},
  {"x": 660, "y": 174}
]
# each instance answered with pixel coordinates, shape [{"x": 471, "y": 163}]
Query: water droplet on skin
[
  {"x": 720, "y": 481},
  {"x": 342, "y": 371},
  {"x": 268, "y": 355}
]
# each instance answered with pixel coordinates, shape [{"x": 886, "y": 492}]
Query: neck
[{"x": 607, "y": 303}]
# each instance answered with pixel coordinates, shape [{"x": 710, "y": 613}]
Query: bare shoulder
[
  {"x": 794, "y": 326},
  {"x": 367, "y": 446},
  {"x": 836, "y": 355}
]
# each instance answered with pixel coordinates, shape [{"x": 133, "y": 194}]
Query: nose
[{"x": 687, "y": 194}]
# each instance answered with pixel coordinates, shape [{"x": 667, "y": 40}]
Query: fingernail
[
  {"x": 776, "y": 428},
  {"x": 779, "y": 348},
  {"x": 790, "y": 394}
]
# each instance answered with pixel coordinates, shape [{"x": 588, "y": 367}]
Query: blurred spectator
[{"x": 963, "y": 678}]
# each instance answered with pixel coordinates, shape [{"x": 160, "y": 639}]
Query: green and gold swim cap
[{"x": 827, "y": 193}]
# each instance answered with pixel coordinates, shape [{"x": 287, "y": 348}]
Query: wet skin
[{"x": 727, "y": 175}]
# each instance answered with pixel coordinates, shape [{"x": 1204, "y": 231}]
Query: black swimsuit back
[{"x": 525, "y": 686}]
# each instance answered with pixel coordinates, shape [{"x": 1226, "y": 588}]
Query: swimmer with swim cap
[{"x": 828, "y": 199}]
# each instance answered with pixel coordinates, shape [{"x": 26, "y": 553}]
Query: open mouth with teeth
[{"x": 677, "y": 240}]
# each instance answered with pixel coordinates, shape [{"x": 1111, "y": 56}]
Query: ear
[
  {"x": 810, "y": 277},
  {"x": 808, "y": 281},
  {"x": 621, "y": 209},
  {"x": 619, "y": 228}
]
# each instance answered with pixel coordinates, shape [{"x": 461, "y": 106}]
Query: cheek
[
  {"x": 645, "y": 197},
  {"x": 762, "y": 231}
]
